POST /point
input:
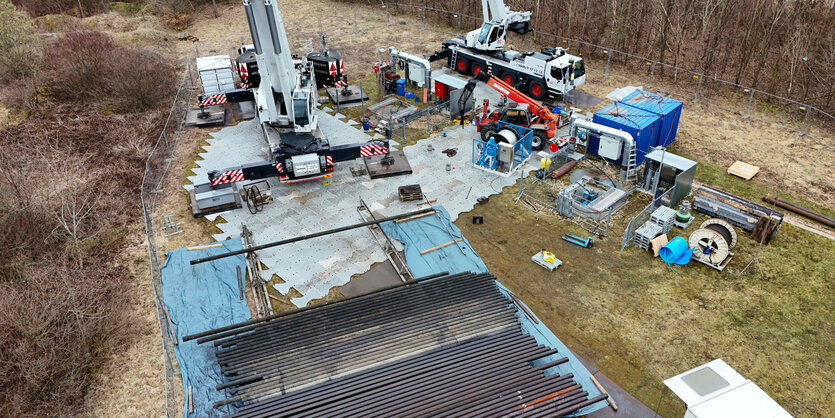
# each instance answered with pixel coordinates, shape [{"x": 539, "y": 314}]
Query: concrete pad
[{"x": 314, "y": 266}]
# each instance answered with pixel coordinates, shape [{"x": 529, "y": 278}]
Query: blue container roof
[
  {"x": 651, "y": 102},
  {"x": 628, "y": 116}
]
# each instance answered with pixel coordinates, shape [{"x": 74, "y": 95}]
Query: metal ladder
[
  {"x": 631, "y": 165},
  {"x": 386, "y": 244}
]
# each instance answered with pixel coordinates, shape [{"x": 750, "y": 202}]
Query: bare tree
[{"x": 76, "y": 198}]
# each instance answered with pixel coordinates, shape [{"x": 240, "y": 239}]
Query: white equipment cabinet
[{"x": 216, "y": 75}]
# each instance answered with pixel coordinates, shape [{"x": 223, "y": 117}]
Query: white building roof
[{"x": 716, "y": 390}]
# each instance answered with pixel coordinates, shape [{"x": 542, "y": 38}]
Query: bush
[
  {"x": 68, "y": 192},
  {"x": 19, "y": 53},
  {"x": 22, "y": 95},
  {"x": 65, "y": 7},
  {"x": 87, "y": 67}
]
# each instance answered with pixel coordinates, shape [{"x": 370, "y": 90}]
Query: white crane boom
[
  {"x": 491, "y": 36},
  {"x": 284, "y": 97}
]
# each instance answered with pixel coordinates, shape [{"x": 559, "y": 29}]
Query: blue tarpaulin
[
  {"x": 199, "y": 298},
  {"x": 427, "y": 232},
  {"x": 430, "y": 231}
]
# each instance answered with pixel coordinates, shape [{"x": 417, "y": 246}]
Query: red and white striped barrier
[
  {"x": 328, "y": 160},
  {"x": 230, "y": 176},
  {"x": 372, "y": 149},
  {"x": 213, "y": 100},
  {"x": 279, "y": 167}
]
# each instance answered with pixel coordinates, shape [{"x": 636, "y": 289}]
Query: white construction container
[{"x": 216, "y": 74}]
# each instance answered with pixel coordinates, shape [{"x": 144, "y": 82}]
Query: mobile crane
[
  {"x": 491, "y": 36},
  {"x": 523, "y": 111},
  {"x": 285, "y": 99},
  {"x": 552, "y": 72}
]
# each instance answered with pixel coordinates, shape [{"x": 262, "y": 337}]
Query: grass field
[{"x": 640, "y": 321}]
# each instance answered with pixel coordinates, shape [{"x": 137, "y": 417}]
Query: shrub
[
  {"x": 61, "y": 291},
  {"x": 19, "y": 53},
  {"x": 176, "y": 20},
  {"x": 79, "y": 8},
  {"x": 22, "y": 95},
  {"x": 87, "y": 67},
  {"x": 78, "y": 64}
]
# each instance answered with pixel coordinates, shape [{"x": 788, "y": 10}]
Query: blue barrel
[
  {"x": 401, "y": 87},
  {"x": 365, "y": 124},
  {"x": 676, "y": 252}
]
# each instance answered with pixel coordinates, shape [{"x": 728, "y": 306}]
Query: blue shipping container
[
  {"x": 669, "y": 110},
  {"x": 642, "y": 125}
]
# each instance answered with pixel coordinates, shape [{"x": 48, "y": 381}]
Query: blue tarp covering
[
  {"x": 430, "y": 231},
  {"x": 641, "y": 124},
  {"x": 199, "y": 298},
  {"x": 427, "y": 232},
  {"x": 667, "y": 109}
]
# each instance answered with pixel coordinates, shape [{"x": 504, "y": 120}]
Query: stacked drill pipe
[
  {"x": 740, "y": 212},
  {"x": 449, "y": 346}
]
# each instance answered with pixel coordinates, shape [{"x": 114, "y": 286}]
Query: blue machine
[
  {"x": 583, "y": 242},
  {"x": 589, "y": 196},
  {"x": 667, "y": 109},
  {"x": 641, "y": 124},
  {"x": 488, "y": 158}
]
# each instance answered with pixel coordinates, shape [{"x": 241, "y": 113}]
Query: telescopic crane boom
[
  {"x": 491, "y": 36},
  {"x": 285, "y": 97}
]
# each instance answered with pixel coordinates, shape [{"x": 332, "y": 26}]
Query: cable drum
[
  {"x": 723, "y": 228},
  {"x": 506, "y": 135},
  {"x": 709, "y": 246}
]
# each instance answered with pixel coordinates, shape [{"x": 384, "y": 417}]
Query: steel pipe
[{"x": 309, "y": 236}]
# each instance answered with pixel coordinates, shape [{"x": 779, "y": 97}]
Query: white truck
[{"x": 549, "y": 73}]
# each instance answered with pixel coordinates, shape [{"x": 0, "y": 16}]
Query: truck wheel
[
  {"x": 477, "y": 68},
  {"x": 489, "y": 130},
  {"x": 538, "y": 141},
  {"x": 462, "y": 66},
  {"x": 537, "y": 90},
  {"x": 509, "y": 78}
]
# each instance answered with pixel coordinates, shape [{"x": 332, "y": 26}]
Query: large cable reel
[
  {"x": 709, "y": 246},
  {"x": 724, "y": 228}
]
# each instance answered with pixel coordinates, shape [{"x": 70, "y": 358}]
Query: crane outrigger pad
[
  {"x": 214, "y": 115},
  {"x": 347, "y": 96},
  {"x": 388, "y": 165}
]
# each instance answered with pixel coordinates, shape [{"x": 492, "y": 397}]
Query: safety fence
[
  {"x": 429, "y": 119},
  {"x": 682, "y": 83},
  {"x": 489, "y": 155},
  {"x": 541, "y": 193},
  {"x": 156, "y": 166},
  {"x": 641, "y": 217}
]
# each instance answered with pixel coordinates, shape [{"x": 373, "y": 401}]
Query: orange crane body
[{"x": 539, "y": 118}]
